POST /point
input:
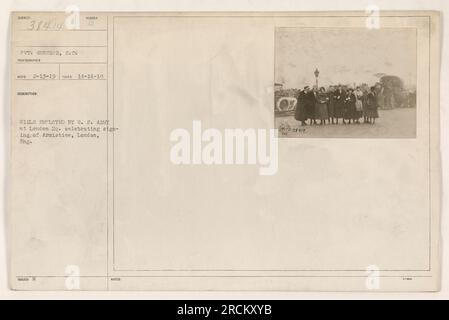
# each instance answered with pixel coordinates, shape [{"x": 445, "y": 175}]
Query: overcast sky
[{"x": 344, "y": 55}]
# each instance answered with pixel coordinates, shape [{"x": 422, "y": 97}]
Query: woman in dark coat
[
  {"x": 349, "y": 108},
  {"x": 358, "y": 93},
  {"x": 372, "y": 106},
  {"x": 310, "y": 106},
  {"x": 300, "y": 112},
  {"x": 365, "y": 106},
  {"x": 331, "y": 104},
  {"x": 339, "y": 103},
  {"x": 321, "y": 106}
]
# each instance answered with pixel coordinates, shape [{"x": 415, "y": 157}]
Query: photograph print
[{"x": 345, "y": 83}]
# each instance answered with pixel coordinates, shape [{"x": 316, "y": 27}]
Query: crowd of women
[{"x": 351, "y": 105}]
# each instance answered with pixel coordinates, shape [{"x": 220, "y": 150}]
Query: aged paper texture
[{"x": 225, "y": 151}]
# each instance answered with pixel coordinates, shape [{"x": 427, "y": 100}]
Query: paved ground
[{"x": 396, "y": 123}]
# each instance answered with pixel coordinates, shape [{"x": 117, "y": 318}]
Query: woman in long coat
[
  {"x": 310, "y": 105},
  {"x": 331, "y": 104},
  {"x": 372, "y": 106},
  {"x": 349, "y": 108},
  {"x": 358, "y": 93},
  {"x": 321, "y": 106},
  {"x": 365, "y": 106},
  {"x": 339, "y": 103},
  {"x": 300, "y": 112}
]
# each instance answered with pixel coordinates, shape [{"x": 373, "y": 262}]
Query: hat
[{"x": 306, "y": 87}]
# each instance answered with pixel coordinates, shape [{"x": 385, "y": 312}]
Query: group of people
[{"x": 349, "y": 105}]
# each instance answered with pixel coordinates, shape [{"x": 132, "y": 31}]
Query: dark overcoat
[
  {"x": 339, "y": 103},
  {"x": 300, "y": 111}
]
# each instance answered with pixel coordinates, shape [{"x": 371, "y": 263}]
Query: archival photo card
[{"x": 294, "y": 151}]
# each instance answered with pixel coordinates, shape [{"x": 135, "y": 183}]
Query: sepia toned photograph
[{"x": 345, "y": 83}]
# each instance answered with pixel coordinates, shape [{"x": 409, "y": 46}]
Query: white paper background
[{"x": 211, "y": 5}]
